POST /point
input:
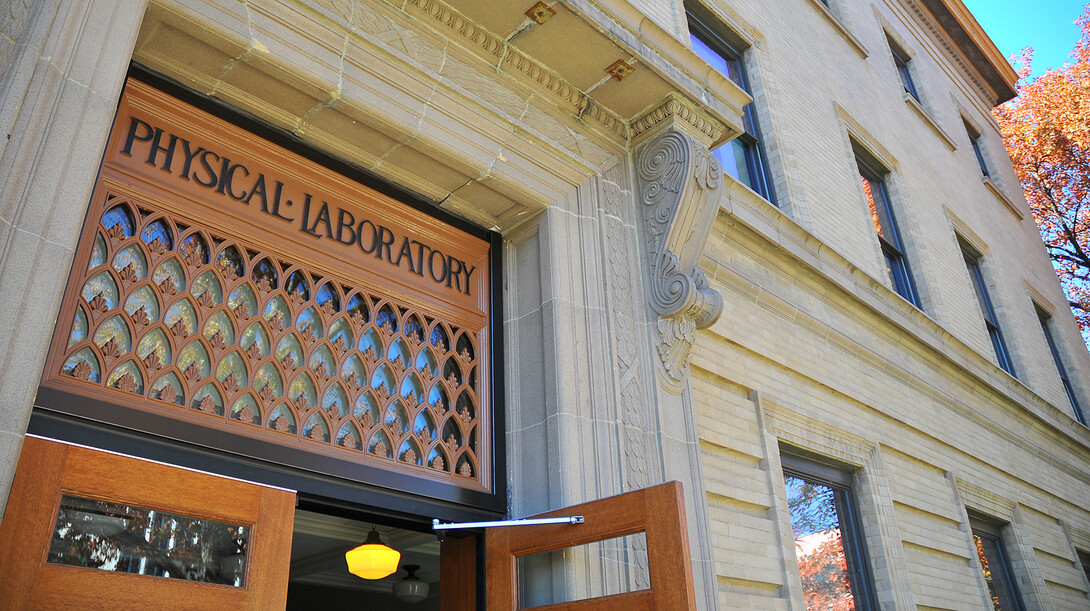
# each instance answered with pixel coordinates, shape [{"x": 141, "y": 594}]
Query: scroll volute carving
[{"x": 679, "y": 183}]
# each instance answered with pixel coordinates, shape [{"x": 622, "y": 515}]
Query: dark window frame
[
  {"x": 991, "y": 322},
  {"x": 974, "y": 141},
  {"x": 1046, "y": 328},
  {"x": 797, "y": 463},
  {"x": 990, "y": 533},
  {"x": 901, "y": 59},
  {"x": 751, "y": 140},
  {"x": 1084, "y": 562},
  {"x": 893, "y": 250}
]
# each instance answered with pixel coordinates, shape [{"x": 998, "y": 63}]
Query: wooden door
[
  {"x": 659, "y": 512},
  {"x": 74, "y": 511}
]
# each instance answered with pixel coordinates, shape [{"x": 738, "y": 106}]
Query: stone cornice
[
  {"x": 771, "y": 231},
  {"x": 506, "y": 57},
  {"x": 975, "y": 47},
  {"x": 1004, "y": 74}
]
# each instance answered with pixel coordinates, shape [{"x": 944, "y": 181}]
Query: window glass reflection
[
  {"x": 993, "y": 563},
  {"x": 128, "y": 539},
  {"x": 743, "y": 158},
  {"x": 819, "y": 546}
]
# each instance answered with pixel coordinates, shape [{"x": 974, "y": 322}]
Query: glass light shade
[
  {"x": 373, "y": 559},
  {"x": 411, "y": 589}
]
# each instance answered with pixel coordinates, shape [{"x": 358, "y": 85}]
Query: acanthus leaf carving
[
  {"x": 348, "y": 441},
  {"x": 140, "y": 317},
  {"x": 168, "y": 287},
  {"x": 126, "y": 383},
  {"x": 675, "y": 338}
]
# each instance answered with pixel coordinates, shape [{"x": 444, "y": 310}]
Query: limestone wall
[{"x": 815, "y": 350}]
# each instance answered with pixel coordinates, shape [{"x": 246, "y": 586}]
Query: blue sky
[{"x": 1046, "y": 25}]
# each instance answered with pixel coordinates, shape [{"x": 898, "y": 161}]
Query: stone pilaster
[
  {"x": 63, "y": 65},
  {"x": 678, "y": 184}
]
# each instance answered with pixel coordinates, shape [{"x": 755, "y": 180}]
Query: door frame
[
  {"x": 658, "y": 511},
  {"x": 49, "y": 469}
]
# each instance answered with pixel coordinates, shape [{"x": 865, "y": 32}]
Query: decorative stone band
[
  {"x": 676, "y": 108},
  {"x": 510, "y": 58},
  {"x": 679, "y": 182}
]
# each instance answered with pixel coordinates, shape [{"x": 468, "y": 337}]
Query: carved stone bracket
[{"x": 679, "y": 185}]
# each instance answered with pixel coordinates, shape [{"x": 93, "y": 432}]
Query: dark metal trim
[
  {"x": 499, "y": 389},
  {"x": 319, "y": 491}
]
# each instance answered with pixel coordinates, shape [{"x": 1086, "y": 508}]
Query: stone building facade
[{"x": 733, "y": 240}]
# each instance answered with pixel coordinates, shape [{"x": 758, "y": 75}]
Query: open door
[
  {"x": 659, "y": 512},
  {"x": 94, "y": 530}
]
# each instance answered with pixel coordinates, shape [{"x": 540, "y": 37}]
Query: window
[
  {"x": 972, "y": 264},
  {"x": 225, "y": 324},
  {"x": 828, "y": 539},
  {"x": 1084, "y": 560},
  {"x": 1002, "y": 588},
  {"x": 1046, "y": 328},
  {"x": 889, "y": 236},
  {"x": 743, "y": 158},
  {"x": 901, "y": 60},
  {"x": 974, "y": 140}
]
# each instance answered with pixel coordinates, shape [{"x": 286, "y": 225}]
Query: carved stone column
[{"x": 679, "y": 183}]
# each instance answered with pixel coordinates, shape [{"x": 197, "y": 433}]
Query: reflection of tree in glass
[
  {"x": 813, "y": 507},
  {"x": 824, "y": 574},
  {"x": 873, "y": 208},
  {"x": 986, "y": 568},
  {"x": 819, "y": 547},
  {"x": 116, "y": 537}
]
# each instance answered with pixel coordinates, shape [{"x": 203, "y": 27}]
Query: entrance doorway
[
  {"x": 318, "y": 576},
  {"x": 94, "y": 529}
]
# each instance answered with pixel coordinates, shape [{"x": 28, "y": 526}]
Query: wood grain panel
[
  {"x": 658, "y": 511},
  {"x": 458, "y": 570},
  {"x": 48, "y": 469},
  {"x": 257, "y": 315}
]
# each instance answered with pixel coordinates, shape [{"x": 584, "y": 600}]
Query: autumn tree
[{"x": 1047, "y": 135}]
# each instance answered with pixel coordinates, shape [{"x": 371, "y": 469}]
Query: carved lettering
[{"x": 326, "y": 220}]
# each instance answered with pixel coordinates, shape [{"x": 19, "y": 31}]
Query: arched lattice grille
[{"x": 192, "y": 320}]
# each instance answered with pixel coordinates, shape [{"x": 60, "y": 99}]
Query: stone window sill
[
  {"x": 994, "y": 188},
  {"x": 935, "y": 127},
  {"x": 854, "y": 42}
]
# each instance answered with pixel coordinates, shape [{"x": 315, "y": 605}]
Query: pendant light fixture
[
  {"x": 373, "y": 559},
  {"x": 411, "y": 589}
]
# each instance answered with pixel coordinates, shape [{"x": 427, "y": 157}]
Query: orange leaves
[{"x": 1047, "y": 135}]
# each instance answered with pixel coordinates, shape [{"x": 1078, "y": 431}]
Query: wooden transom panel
[{"x": 228, "y": 282}]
